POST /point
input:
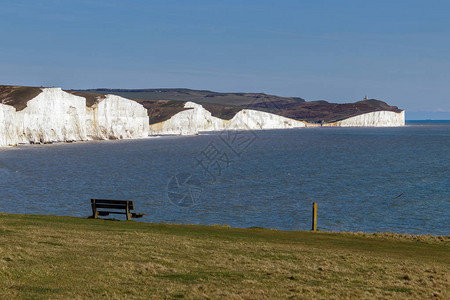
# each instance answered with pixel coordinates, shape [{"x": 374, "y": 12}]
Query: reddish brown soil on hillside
[
  {"x": 91, "y": 98},
  {"x": 322, "y": 111},
  {"x": 18, "y": 96},
  {"x": 226, "y": 105}
]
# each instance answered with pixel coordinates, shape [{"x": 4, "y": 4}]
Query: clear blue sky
[{"x": 397, "y": 51}]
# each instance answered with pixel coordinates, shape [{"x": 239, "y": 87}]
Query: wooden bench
[{"x": 123, "y": 207}]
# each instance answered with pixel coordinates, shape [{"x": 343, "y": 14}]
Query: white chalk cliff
[
  {"x": 116, "y": 118},
  {"x": 58, "y": 116},
  {"x": 53, "y": 115},
  {"x": 8, "y": 132},
  {"x": 197, "y": 119},
  {"x": 254, "y": 119},
  {"x": 373, "y": 119},
  {"x": 189, "y": 122}
]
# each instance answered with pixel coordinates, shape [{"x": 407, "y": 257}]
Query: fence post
[{"x": 314, "y": 217}]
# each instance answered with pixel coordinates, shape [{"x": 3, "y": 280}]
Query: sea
[{"x": 362, "y": 179}]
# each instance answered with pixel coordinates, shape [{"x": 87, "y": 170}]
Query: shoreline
[
  {"x": 213, "y": 132},
  {"x": 378, "y": 234}
]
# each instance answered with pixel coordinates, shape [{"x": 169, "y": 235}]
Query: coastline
[
  {"x": 211, "y": 132},
  {"x": 48, "y": 115},
  {"x": 429, "y": 238}
]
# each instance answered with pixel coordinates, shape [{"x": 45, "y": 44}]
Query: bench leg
[
  {"x": 128, "y": 214},
  {"x": 94, "y": 211}
]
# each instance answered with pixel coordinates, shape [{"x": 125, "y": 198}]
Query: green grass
[{"x": 63, "y": 257}]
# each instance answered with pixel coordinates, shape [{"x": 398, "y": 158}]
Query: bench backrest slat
[
  {"x": 110, "y": 206},
  {"x": 114, "y": 204}
]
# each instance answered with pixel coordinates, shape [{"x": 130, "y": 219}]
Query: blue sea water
[{"x": 363, "y": 179}]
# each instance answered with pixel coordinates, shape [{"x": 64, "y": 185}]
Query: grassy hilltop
[{"x": 64, "y": 257}]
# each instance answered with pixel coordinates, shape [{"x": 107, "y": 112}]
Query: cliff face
[
  {"x": 8, "y": 132},
  {"x": 197, "y": 119},
  {"x": 373, "y": 119},
  {"x": 226, "y": 105},
  {"x": 58, "y": 116},
  {"x": 45, "y": 115},
  {"x": 254, "y": 119},
  {"x": 53, "y": 115},
  {"x": 189, "y": 122},
  {"x": 116, "y": 118}
]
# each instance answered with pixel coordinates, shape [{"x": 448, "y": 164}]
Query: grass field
[{"x": 65, "y": 257}]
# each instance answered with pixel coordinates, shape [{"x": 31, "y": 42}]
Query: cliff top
[
  {"x": 226, "y": 105},
  {"x": 197, "y": 96},
  {"x": 91, "y": 99},
  {"x": 162, "y": 104},
  {"x": 18, "y": 96}
]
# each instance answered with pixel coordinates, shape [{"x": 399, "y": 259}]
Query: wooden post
[{"x": 314, "y": 217}]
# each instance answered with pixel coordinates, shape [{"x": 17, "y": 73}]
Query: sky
[{"x": 340, "y": 51}]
